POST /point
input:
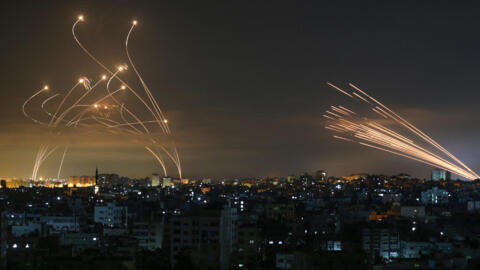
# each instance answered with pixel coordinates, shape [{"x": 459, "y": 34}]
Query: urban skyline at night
[{"x": 239, "y": 135}]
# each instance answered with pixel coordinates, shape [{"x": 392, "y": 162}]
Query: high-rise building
[
  {"x": 155, "y": 180},
  {"x": 166, "y": 181},
  {"x": 249, "y": 241},
  {"x": 438, "y": 174},
  {"x": 321, "y": 175},
  {"x": 149, "y": 233},
  {"x": 210, "y": 233},
  {"x": 291, "y": 179},
  {"x": 434, "y": 195},
  {"x": 381, "y": 243},
  {"x": 110, "y": 215}
]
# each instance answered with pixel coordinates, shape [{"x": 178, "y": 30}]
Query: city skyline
[{"x": 246, "y": 98}]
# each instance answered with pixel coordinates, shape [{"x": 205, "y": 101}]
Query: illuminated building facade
[
  {"x": 155, "y": 180},
  {"x": 381, "y": 243},
  {"x": 110, "y": 215},
  {"x": 166, "y": 182},
  {"x": 81, "y": 181},
  {"x": 438, "y": 175},
  {"x": 435, "y": 196}
]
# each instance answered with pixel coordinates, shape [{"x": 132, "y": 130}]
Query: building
[
  {"x": 61, "y": 223},
  {"x": 280, "y": 210},
  {"x": 249, "y": 246},
  {"x": 410, "y": 250},
  {"x": 79, "y": 241},
  {"x": 473, "y": 205},
  {"x": 321, "y": 175},
  {"x": 209, "y": 233},
  {"x": 148, "y": 233},
  {"x": 284, "y": 260},
  {"x": 291, "y": 179},
  {"x": 438, "y": 174},
  {"x": 381, "y": 243},
  {"x": 81, "y": 181},
  {"x": 166, "y": 182},
  {"x": 107, "y": 180},
  {"x": 155, "y": 180},
  {"x": 435, "y": 196},
  {"x": 295, "y": 260},
  {"x": 333, "y": 245},
  {"x": 412, "y": 211},
  {"x": 26, "y": 229},
  {"x": 111, "y": 215}
]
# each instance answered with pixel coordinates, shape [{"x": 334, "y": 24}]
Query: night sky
[{"x": 243, "y": 83}]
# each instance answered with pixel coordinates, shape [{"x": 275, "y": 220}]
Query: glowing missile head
[
  {"x": 123, "y": 87},
  {"x": 122, "y": 68},
  {"x": 95, "y": 105},
  {"x": 105, "y": 107},
  {"x": 165, "y": 121},
  {"x": 45, "y": 87},
  {"x": 104, "y": 77},
  {"x": 81, "y": 80},
  {"x": 80, "y": 18},
  {"x": 134, "y": 22}
]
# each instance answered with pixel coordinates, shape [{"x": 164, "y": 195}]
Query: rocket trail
[
  {"x": 159, "y": 159},
  {"x": 415, "y": 130},
  {"x": 354, "y": 127},
  {"x": 108, "y": 112},
  {"x": 61, "y": 162}
]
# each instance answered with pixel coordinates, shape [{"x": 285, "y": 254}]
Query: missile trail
[
  {"x": 367, "y": 132},
  {"x": 107, "y": 111}
]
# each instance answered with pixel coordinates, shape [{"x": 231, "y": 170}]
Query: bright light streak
[
  {"x": 374, "y": 135},
  {"x": 74, "y": 111}
]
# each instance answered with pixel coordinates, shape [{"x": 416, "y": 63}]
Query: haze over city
[{"x": 243, "y": 85}]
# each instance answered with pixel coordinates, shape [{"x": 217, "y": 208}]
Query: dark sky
[{"x": 243, "y": 82}]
